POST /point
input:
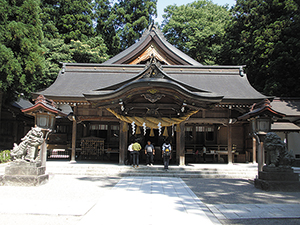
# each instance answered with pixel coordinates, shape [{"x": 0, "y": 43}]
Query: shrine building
[{"x": 153, "y": 91}]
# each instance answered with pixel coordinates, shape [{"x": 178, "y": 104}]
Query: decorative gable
[{"x": 153, "y": 51}]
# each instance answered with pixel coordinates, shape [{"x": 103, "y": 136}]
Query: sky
[{"x": 161, "y": 4}]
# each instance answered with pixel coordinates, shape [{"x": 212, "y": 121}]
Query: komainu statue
[
  {"x": 277, "y": 154},
  {"x": 28, "y": 148}
]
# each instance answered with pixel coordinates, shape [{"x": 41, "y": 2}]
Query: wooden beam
[
  {"x": 207, "y": 120},
  {"x": 98, "y": 118}
]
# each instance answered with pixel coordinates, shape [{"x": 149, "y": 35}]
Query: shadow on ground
[{"x": 237, "y": 191}]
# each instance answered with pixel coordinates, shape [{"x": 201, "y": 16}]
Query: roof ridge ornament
[{"x": 152, "y": 68}]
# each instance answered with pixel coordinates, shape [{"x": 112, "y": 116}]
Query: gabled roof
[
  {"x": 77, "y": 79},
  {"x": 153, "y": 39}
]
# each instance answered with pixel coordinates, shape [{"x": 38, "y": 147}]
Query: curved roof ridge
[{"x": 148, "y": 36}]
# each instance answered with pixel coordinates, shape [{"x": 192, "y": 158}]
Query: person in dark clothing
[
  {"x": 149, "y": 152},
  {"x": 130, "y": 150},
  {"x": 166, "y": 151}
]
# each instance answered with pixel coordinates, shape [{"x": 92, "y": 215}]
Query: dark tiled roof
[
  {"x": 285, "y": 126},
  {"x": 78, "y": 79},
  {"x": 22, "y": 103},
  {"x": 83, "y": 78},
  {"x": 289, "y": 106}
]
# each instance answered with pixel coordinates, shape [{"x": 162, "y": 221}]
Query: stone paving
[
  {"x": 78, "y": 200},
  {"x": 150, "y": 200},
  {"x": 255, "y": 211}
]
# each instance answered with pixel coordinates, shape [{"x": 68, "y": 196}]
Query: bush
[{"x": 4, "y": 156}]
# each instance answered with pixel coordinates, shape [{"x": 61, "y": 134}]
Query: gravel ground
[{"x": 239, "y": 191}]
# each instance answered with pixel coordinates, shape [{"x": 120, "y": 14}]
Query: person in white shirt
[{"x": 130, "y": 150}]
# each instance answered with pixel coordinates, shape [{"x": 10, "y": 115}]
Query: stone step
[{"x": 121, "y": 171}]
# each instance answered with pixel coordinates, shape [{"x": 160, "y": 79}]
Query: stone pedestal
[
  {"x": 277, "y": 179},
  {"x": 22, "y": 173}
]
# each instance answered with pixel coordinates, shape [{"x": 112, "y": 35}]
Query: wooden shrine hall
[{"x": 153, "y": 91}]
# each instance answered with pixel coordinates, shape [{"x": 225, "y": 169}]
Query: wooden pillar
[
  {"x": 123, "y": 142},
  {"x": 254, "y": 150},
  {"x": 180, "y": 143},
  {"x": 229, "y": 137},
  {"x": 74, "y": 133},
  {"x": 229, "y": 132}
]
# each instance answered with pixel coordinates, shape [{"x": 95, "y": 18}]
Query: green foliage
[
  {"x": 21, "y": 54},
  {"x": 196, "y": 29},
  {"x": 264, "y": 35},
  {"x": 36, "y": 35},
  {"x": 68, "y": 19},
  {"x": 5, "y": 156},
  {"x": 56, "y": 51},
  {"x": 91, "y": 51},
  {"x": 106, "y": 17},
  {"x": 132, "y": 17}
]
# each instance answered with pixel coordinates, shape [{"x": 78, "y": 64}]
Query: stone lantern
[
  {"x": 261, "y": 117},
  {"x": 277, "y": 174},
  {"x": 44, "y": 112},
  {"x": 29, "y": 165}
]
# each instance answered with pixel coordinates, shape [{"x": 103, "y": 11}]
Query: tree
[
  {"x": 92, "y": 51},
  {"x": 264, "y": 35},
  {"x": 68, "y": 19},
  {"x": 132, "y": 17},
  {"x": 105, "y": 20},
  {"x": 56, "y": 52},
  {"x": 196, "y": 29},
  {"x": 21, "y": 54}
]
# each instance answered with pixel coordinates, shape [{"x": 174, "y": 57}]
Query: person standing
[
  {"x": 204, "y": 153},
  {"x": 130, "y": 150},
  {"x": 149, "y": 151},
  {"x": 136, "y": 147},
  {"x": 166, "y": 151}
]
